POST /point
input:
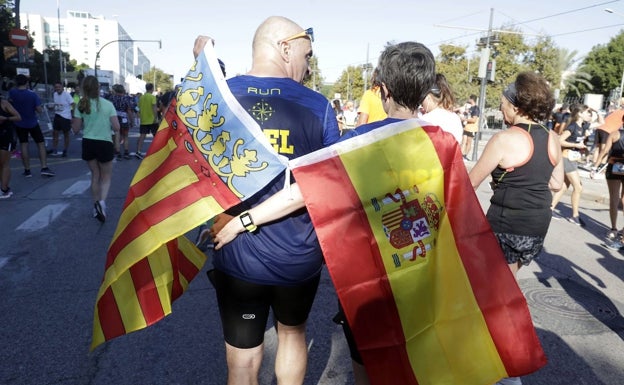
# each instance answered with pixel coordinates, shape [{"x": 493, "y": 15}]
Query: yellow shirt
[{"x": 371, "y": 105}]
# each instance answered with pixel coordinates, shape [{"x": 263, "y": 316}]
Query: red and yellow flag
[
  {"x": 419, "y": 273},
  {"x": 207, "y": 156}
]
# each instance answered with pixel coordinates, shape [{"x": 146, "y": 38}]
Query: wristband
[{"x": 247, "y": 221}]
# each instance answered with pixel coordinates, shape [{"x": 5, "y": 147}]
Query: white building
[{"x": 83, "y": 36}]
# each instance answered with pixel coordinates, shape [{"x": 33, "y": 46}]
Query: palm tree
[{"x": 572, "y": 77}]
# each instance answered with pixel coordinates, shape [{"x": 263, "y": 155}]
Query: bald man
[{"x": 275, "y": 266}]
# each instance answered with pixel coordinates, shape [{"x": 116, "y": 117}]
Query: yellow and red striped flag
[
  {"x": 208, "y": 155},
  {"x": 418, "y": 271}
]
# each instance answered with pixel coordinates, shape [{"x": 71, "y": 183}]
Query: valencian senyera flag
[
  {"x": 208, "y": 155},
  {"x": 418, "y": 271}
]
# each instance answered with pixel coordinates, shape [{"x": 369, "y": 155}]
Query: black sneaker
[
  {"x": 27, "y": 174},
  {"x": 119, "y": 156},
  {"x": 127, "y": 155},
  {"x": 47, "y": 172},
  {"x": 99, "y": 211},
  {"x": 64, "y": 155},
  {"x": 138, "y": 155}
]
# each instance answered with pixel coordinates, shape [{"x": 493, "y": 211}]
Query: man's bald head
[
  {"x": 271, "y": 31},
  {"x": 276, "y": 53}
]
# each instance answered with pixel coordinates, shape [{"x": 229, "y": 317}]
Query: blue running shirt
[{"x": 297, "y": 121}]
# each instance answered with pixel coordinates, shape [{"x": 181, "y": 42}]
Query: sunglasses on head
[{"x": 309, "y": 33}]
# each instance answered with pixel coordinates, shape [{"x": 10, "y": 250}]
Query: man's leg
[
  {"x": 25, "y": 155},
  {"x": 65, "y": 141},
  {"x": 43, "y": 156},
  {"x": 55, "y": 138},
  {"x": 291, "y": 359},
  {"x": 243, "y": 364},
  {"x": 140, "y": 142}
]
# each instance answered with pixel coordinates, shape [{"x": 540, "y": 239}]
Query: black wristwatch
[{"x": 247, "y": 221}]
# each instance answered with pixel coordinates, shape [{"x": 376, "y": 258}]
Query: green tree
[
  {"x": 350, "y": 85},
  {"x": 52, "y": 68},
  {"x": 7, "y": 22},
  {"x": 162, "y": 81},
  {"x": 543, "y": 57},
  {"x": 605, "y": 65},
  {"x": 460, "y": 71},
  {"x": 571, "y": 78},
  {"x": 314, "y": 79}
]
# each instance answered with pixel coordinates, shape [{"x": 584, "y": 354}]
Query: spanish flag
[
  {"x": 208, "y": 155},
  {"x": 418, "y": 271}
]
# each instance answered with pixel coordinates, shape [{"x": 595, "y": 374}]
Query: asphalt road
[{"x": 51, "y": 264}]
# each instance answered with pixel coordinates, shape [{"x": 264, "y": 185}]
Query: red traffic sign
[{"x": 18, "y": 37}]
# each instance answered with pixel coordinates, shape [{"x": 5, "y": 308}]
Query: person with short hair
[
  {"x": 148, "y": 116},
  {"x": 28, "y": 105},
  {"x": 63, "y": 107}
]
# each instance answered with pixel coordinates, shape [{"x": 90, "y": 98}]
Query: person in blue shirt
[
  {"x": 276, "y": 267},
  {"x": 406, "y": 75},
  {"x": 28, "y": 105}
]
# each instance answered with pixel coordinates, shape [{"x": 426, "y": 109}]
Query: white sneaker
[{"x": 6, "y": 194}]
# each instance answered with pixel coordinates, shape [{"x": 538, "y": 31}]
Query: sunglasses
[{"x": 309, "y": 33}]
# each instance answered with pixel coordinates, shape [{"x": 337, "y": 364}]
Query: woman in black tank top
[{"x": 525, "y": 164}]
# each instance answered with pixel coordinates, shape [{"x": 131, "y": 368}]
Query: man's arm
[{"x": 279, "y": 205}]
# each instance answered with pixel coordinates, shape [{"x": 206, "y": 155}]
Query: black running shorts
[
  {"x": 244, "y": 307},
  {"x": 101, "y": 150}
]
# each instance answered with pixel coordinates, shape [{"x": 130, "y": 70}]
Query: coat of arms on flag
[{"x": 409, "y": 222}]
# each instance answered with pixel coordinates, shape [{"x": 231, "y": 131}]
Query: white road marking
[
  {"x": 43, "y": 217},
  {"x": 77, "y": 188}
]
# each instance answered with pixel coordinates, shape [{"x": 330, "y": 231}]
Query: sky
[{"x": 346, "y": 32}]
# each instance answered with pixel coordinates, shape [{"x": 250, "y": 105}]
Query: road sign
[{"x": 18, "y": 37}]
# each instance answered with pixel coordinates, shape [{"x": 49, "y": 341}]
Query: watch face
[{"x": 246, "y": 220}]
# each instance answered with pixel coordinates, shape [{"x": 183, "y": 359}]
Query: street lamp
[
  {"x": 485, "y": 45},
  {"x": 126, "y": 62},
  {"x": 97, "y": 55},
  {"x": 143, "y": 68},
  {"x": 609, "y": 10}
]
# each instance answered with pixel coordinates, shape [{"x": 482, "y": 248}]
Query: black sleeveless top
[
  {"x": 617, "y": 149},
  {"x": 521, "y": 200}
]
